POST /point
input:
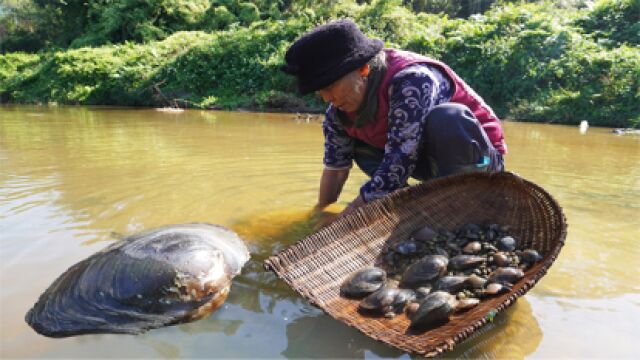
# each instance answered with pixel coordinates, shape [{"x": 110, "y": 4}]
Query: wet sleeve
[
  {"x": 338, "y": 145},
  {"x": 412, "y": 94}
]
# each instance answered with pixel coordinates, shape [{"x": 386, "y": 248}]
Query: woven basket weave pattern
[{"x": 316, "y": 265}]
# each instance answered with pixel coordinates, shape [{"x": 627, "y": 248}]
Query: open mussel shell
[{"x": 160, "y": 277}]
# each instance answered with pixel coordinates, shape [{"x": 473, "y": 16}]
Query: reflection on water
[
  {"x": 513, "y": 334},
  {"x": 73, "y": 180}
]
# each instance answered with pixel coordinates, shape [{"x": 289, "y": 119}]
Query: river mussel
[
  {"x": 363, "y": 282},
  {"x": 163, "y": 276},
  {"x": 433, "y": 274}
]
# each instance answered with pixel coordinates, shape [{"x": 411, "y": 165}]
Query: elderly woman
[{"x": 397, "y": 114}]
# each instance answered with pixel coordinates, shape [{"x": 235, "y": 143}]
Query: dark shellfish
[
  {"x": 506, "y": 275},
  {"x": 363, "y": 282},
  {"x": 424, "y": 234},
  {"x": 387, "y": 302},
  {"x": 507, "y": 243},
  {"x": 501, "y": 259},
  {"x": 407, "y": 247},
  {"x": 451, "y": 284},
  {"x": 530, "y": 256},
  {"x": 464, "y": 262},
  {"x": 160, "y": 277},
  {"x": 472, "y": 248},
  {"x": 434, "y": 310},
  {"x": 423, "y": 271},
  {"x": 497, "y": 289},
  {"x": 476, "y": 282}
]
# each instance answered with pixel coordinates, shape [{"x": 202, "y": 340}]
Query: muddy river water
[{"x": 75, "y": 179}]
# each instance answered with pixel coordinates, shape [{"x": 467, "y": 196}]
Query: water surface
[{"x": 75, "y": 179}]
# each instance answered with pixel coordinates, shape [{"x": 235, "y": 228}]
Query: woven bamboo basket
[{"x": 316, "y": 265}]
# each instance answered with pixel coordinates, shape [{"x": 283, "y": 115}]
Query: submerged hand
[{"x": 321, "y": 217}]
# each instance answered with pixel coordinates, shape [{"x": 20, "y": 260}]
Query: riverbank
[{"x": 531, "y": 62}]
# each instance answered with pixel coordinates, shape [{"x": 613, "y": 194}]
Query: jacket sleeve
[
  {"x": 338, "y": 145},
  {"x": 413, "y": 93}
]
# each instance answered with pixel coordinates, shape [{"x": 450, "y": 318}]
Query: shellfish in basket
[
  {"x": 164, "y": 276},
  {"x": 440, "y": 273}
]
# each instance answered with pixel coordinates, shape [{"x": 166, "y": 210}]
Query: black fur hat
[{"x": 327, "y": 53}]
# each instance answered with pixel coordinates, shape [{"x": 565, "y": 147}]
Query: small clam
[
  {"x": 489, "y": 248},
  {"x": 424, "y": 234},
  {"x": 387, "y": 302},
  {"x": 466, "y": 303},
  {"x": 424, "y": 271},
  {"x": 506, "y": 243},
  {"x": 501, "y": 259},
  {"x": 475, "y": 281},
  {"x": 530, "y": 256},
  {"x": 496, "y": 289},
  {"x": 363, "y": 282},
  {"x": 435, "y": 309},
  {"x": 464, "y": 262},
  {"x": 472, "y": 248},
  {"x": 407, "y": 247},
  {"x": 506, "y": 275}
]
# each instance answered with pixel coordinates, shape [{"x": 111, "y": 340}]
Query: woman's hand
[{"x": 323, "y": 217}]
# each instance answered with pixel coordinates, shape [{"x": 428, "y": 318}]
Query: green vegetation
[{"x": 536, "y": 61}]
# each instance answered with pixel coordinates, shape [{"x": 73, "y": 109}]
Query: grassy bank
[{"x": 532, "y": 62}]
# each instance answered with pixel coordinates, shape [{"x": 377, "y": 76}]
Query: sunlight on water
[{"x": 74, "y": 180}]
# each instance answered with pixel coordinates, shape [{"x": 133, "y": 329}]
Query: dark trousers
[{"x": 453, "y": 142}]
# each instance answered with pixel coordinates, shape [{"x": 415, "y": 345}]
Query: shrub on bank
[
  {"x": 530, "y": 62},
  {"x": 533, "y": 64},
  {"x": 613, "y": 22}
]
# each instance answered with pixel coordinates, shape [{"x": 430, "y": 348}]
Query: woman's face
[{"x": 346, "y": 93}]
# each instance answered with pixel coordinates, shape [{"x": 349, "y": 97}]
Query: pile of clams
[{"x": 433, "y": 274}]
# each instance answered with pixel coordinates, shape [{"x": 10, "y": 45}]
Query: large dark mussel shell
[
  {"x": 424, "y": 271},
  {"x": 363, "y": 282},
  {"x": 387, "y": 301},
  {"x": 434, "y": 310},
  {"x": 160, "y": 277}
]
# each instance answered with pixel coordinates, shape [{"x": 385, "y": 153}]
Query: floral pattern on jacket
[{"x": 414, "y": 92}]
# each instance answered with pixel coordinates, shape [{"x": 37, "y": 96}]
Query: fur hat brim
[{"x": 327, "y": 53}]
